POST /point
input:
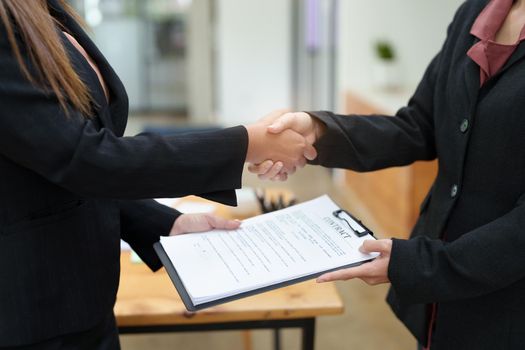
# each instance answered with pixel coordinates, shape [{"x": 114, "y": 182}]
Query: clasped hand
[
  {"x": 278, "y": 144},
  {"x": 281, "y": 142}
]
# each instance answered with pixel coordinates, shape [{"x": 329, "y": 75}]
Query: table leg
[
  {"x": 277, "y": 339},
  {"x": 247, "y": 340},
  {"x": 308, "y": 334}
]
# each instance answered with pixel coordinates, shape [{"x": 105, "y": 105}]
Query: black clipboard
[{"x": 186, "y": 299}]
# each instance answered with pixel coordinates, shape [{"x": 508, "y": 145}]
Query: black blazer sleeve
[
  {"x": 79, "y": 155},
  {"x": 142, "y": 222},
  {"x": 481, "y": 261}
]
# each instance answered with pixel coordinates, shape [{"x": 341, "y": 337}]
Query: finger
[
  {"x": 280, "y": 177},
  {"x": 344, "y": 274},
  {"x": 272, "y": 172},
  {"x": 310, "y": 152},
  {"x": 261, "y": 168},
  {"x": 221, "y": 223},
  {"x": 302, "y": 162},
  {"x": 286, "y": 121},
  {"x": 192, "y": 223},
  {"x": 232, "y": 224},
  {"x": 372, "y": 281},
  {"x": 370, "y": 246}
]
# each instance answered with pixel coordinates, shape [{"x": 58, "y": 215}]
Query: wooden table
[{"x": 147, "y": 302}]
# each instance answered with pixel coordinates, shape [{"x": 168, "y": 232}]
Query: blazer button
[
  {"x": 464, "y": 126},
  {"x": 454, "y": 191}
]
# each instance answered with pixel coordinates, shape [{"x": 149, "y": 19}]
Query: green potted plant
[{"x": 385, "y": 51}]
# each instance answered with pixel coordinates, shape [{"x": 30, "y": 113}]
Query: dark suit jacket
[
  {"x": 476, "y": 274},
  {"x": 71, "y": 187}
]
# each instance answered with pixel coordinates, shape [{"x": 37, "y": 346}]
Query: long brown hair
[{"x": 38, "y": 31}]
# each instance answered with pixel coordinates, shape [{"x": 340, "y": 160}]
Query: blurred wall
[
  {"x": 416, "y": 28},
  {"x": 253, "y": 56},
  {"x": 118, "y": 39},
  {"x": 252, "y": 49},
  {"x": 200, "y": 63}
]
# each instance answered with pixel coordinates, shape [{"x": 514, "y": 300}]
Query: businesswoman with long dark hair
[
  {"x": 71, "y": 186},
  {"x": 459, "y": 281}
]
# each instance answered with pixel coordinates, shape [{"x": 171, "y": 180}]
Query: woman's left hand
[
  {"x": 187, "y": 223},
  {"x": 374, "y": 272}
]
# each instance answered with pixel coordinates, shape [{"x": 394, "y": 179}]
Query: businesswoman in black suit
[
  {"x": 459, "y": 281},
  {"x": 71, "y": 186}
]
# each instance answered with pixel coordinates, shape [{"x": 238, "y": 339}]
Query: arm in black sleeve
[
  {"x": 142, "y": 222},
  {"x": 365, "y": 143},
  {"x": 484, "y": 260},
  {"x": 72, "y": 152}
]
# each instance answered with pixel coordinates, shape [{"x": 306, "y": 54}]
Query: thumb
[
  {"x": 281, "y": 124},
  {"x": 374, "y": 246},
  {"x": 310, "y": 152},
  {"x": 223, "y": 224}
]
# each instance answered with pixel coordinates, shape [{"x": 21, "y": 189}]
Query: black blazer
[
  {"x": 476, "y": 273},
  {"x": 70, "y": 188}
]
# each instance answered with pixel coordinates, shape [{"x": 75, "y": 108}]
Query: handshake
[{"x": 281, "y": 142}]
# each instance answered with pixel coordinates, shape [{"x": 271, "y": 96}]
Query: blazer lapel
[
  {"x": 472, "y": 77},
  {"x": 472, "y": 74},
  {"x": 516, "y": 57}
]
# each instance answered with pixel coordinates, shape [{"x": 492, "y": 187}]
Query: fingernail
[{"x": 320, "y": 280}]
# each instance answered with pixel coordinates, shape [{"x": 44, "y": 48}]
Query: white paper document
[{"x": 266, "y": 250}]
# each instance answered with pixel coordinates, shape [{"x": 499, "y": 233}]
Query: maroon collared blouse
[{"x": 488, "y": 54}]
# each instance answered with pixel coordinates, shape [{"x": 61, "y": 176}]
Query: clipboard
[
  {"x": 186, "y": 299},
  {"x": 190, "y": 306}
]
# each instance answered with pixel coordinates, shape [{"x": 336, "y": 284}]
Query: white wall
[
  {"x": 253, "y": 52},
  {"x": 199, "y": 60},
  {"x": 416, "y": 28}
]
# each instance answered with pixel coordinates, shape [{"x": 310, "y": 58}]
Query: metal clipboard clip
[{"x": 355, "y": 225}]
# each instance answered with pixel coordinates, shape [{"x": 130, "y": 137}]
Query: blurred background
[
  {"x": 192, "y": 64},
  {"x": 227, "y": 62}
]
